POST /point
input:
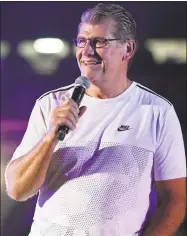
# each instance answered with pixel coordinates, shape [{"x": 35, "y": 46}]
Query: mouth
[{"x": 91, "y": 63}]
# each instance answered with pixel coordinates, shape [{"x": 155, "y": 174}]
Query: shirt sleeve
[
  {"x": 35, "y": 131},
  {"x": 169, "y": 158}
]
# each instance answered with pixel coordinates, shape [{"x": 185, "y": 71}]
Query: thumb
[{"x": 82, "y": 110}]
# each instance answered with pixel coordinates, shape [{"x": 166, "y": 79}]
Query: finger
[
  {"x": 67, "y": 122},
  {"x": 70, "y": 125},
  {"x": 71, "y": 102},
  {"x": 70, "y": 107},
  {"x": 82, "y": 110},
  {"x": 68, "y": 103},
  {"x": 75, "y": 113},
  {"x": 69, "y": 116},
  {"x": 75, "y": 105}
]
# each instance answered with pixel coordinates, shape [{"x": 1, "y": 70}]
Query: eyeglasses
[{"x": 95, "y": 42}]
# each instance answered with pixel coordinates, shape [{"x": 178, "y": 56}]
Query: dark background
[{"x": 21, "y": 85}]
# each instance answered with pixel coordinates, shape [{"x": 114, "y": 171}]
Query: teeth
[{"x": 90, "y": 63}]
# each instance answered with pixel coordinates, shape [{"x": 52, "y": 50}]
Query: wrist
[{"x": 50, "y": 138}]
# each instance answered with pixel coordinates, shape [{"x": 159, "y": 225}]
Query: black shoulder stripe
[
  {"x": 57, "y": 90},
  {"x": 150, "y": 91}
]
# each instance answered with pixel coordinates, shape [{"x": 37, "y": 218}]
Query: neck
[{"x": 108, "y": 90}]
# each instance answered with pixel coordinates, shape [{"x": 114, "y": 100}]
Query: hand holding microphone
[{"x": 65, "y": 116}]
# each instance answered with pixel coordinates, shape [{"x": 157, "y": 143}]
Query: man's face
[{"x": 99, "y": 64}]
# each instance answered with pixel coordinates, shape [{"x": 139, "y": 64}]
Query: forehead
[{"x": 103, "y": 29}]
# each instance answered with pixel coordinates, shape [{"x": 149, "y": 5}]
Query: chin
[
  {"x": 93, "y": 78},
  {"x": 92, "y": 75},
  {"x": 95, "y": 81}
]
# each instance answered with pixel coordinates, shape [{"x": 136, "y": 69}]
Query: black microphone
[{"x": 81, "y": 84}]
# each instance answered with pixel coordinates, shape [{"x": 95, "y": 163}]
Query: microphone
[{"x": 81, "y": 84}]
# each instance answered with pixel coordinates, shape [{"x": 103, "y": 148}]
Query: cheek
[
  {"x": 78, "y": 54},
  {"x": 110, "y": 60},
  {"x": 78, "y": 59},
  {"x": 113, "y": 59}
]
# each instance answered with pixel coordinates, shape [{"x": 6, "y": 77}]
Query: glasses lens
[
  {"x": 99, "y": 43},
  {"x": 80, "y": 42},
  {"x": 96, "y": 43}
]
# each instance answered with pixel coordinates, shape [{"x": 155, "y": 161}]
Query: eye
[
  {"x": 81, "y": 42},
  {"x": 99, "y": 42}
]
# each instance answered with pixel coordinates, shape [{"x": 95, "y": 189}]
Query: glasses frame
[{"x": 92, "y": 43}]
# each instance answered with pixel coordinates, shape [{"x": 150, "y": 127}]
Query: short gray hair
[{"x": 125, "y": 28}]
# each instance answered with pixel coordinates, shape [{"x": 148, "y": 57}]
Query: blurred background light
[
  {"x": 5, "y": 49},
  {"x": 48, "y": 45},
  {"x": 164, "y": 50},
  {"x": 44, "y": 55}
]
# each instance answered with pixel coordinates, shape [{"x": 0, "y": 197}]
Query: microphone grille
[{"x": 82, "y": 81}]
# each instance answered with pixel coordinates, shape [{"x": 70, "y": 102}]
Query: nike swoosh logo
[{"x": 124, "y": 128}]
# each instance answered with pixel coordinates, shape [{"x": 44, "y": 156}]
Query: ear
[{"x": 129, "y": 49}]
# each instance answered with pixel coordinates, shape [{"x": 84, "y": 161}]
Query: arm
[
  {"x": 169, "y": 178},
  {"x": 25, "y": 175},
  {"x": 171, "y": 208}
]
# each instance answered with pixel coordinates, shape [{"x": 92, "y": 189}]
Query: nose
[{"x": 88, "y": 49}]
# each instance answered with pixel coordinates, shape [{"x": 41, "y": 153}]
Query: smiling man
[
  {"x": 105, "y": 46},
  {"x": 121, "y": 169}
]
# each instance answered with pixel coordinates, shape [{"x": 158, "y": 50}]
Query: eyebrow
[{"x": 97, "y": 37}]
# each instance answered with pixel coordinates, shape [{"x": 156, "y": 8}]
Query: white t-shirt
[{"x": 99, "y": 182}]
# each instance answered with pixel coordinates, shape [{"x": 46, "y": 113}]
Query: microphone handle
[{"x": 77, "y": 96}]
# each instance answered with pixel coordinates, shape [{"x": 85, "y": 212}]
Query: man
[{"x": 124, "y": 144}]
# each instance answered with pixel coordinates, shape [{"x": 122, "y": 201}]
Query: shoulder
[
  {"x": 147, "y": 96},
  {"x": 53, "y": 98},
  {"x": 56, "y": 92}
]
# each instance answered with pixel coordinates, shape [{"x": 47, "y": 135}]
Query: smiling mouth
[{"x": 91, "y": 62}]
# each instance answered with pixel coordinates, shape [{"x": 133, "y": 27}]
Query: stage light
[
  {"x": 44, "y": 55},
  {"x": 5, "y": 49},
  {"x": 164, "y": 50},
  {"x": 48, "y": 45}
]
